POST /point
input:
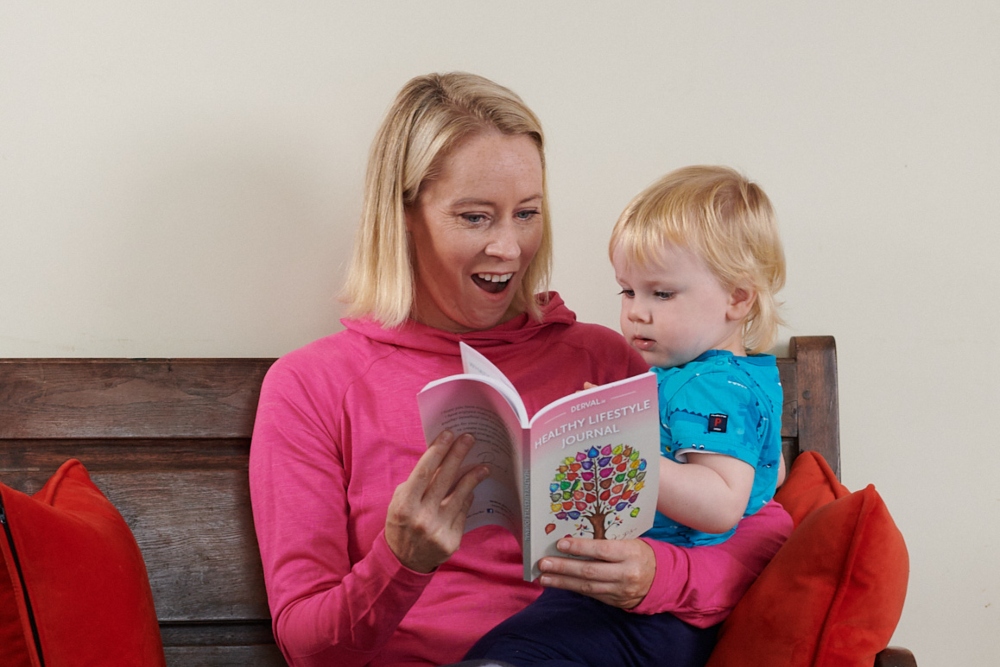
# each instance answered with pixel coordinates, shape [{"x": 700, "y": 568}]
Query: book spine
[{"x": 526, "y": 520}]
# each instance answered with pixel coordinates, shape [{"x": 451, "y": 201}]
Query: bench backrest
[{"x": 167, "y": 440}]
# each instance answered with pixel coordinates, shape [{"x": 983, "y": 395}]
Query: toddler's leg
[{"x": 563, "y": 629}]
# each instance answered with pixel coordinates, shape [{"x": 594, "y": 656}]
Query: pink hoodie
[{"x": 337, "y": 430}]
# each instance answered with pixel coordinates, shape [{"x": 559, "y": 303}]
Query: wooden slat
[
  {"x": 217, "y": 634},
  {"x": 34, "y": 460},
  {"x": 818, "y": 410},
  {"x": 224, "y": 656},
  {"x": 789, "y": 424},
  {"x": 129, "y": 398},
  {"x": 195, "y": 531},
  {"x": 248, "y": 644}
]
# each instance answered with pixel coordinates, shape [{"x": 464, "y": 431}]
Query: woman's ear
[{"x": 741, "y": 300}]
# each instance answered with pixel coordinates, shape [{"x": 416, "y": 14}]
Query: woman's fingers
[
  {"x": 435, "y": 472},
  {"x": 426, "y": 516},
  {"x": 444, "y": 476},
  {"x": 460, "y": 500},
  {"x": 457, "y": 498},
  {"x": 616, "y": 572},
  {"x": 428, "y": 464}
]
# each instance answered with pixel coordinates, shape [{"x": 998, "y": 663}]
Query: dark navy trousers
[{"x": 564, "y": 629}]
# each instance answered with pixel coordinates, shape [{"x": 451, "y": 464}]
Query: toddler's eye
[
  {"x": 663, "y": 295},
  {"x": 627, "y": 293}
]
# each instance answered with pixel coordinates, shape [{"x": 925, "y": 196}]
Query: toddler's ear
[{"x": 741, "y": 300}]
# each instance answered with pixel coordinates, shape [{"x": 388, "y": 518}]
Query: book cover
[{"x": 585, "y": 465}]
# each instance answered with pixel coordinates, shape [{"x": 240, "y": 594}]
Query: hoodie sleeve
[
  {"x": 326, "y": 609},
  {"x": 701, "y": 585}
]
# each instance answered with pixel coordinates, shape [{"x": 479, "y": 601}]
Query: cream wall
[{"x": 183, "y": 180}]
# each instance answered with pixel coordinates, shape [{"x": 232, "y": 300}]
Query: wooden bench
[{"x": 167, "y": 440}]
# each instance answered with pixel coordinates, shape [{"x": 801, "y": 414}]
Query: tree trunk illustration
[{"x": 597, "y": 521}]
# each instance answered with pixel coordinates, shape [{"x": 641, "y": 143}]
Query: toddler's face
[{"x": 675, "y": 309}]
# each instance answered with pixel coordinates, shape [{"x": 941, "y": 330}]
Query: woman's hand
[
  {"x": 620, "y": 573},
  {"x": 426, "y": 516}
]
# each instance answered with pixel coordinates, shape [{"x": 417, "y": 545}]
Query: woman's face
[{"x": 474, "y": 230}]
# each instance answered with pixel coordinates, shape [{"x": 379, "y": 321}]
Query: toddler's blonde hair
[{"x": 725, "y": 219}]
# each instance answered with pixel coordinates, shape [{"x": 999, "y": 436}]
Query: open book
[{"x": 585, "y": 465}]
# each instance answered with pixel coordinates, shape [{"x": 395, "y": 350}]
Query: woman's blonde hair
[
  {"x": 726, "y": 220},
  {"x": 430, "y": 116}
]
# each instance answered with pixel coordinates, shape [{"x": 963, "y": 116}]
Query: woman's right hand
[
  {"x": 616, "y": 572},
  {"x": 426, "y": 516}
]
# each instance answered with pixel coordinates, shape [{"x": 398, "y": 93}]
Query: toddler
[{"x": 699, "y": 261}]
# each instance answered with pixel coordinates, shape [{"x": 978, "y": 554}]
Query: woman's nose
[{"x": 505, "y": 243}]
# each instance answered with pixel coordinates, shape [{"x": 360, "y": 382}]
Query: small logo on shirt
[{"x": 717, "y": 423}]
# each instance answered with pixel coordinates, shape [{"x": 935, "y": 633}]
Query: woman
[{"x": 360, "y": 524}]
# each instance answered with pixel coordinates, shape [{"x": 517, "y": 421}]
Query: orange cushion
[
  {"x": 810, "y": 485},
  {"x": 72, "y": 574},
  {"x": 831, "y": 597}
]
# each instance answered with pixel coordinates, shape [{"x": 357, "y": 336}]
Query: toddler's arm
[{"x": 708, "y": 493}]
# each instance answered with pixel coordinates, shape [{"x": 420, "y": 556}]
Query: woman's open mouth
[{"x": 494, "y": 283}]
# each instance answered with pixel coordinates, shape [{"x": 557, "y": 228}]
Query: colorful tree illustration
[{"x": 595, "y": 486}]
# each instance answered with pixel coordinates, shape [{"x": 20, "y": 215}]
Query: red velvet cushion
[
  {"x": 14, "y": 646},
  {"x": 84, "y": 578},
  {"x": 810, "y": 485},
  {"x": 831, "y": 597}
]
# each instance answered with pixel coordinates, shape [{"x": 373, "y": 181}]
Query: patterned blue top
[{"x": 724, "y": 404}]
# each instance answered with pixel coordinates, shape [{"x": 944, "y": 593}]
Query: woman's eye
[
  {"x": 526, "y": 215},
  {"x": 474, "y": 218}
]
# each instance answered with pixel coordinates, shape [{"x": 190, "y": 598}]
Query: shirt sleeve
[
  {"x": 701, "y": 585},
  {"x": 326, "y": 609},
  {"x": 713, "y": 413}
]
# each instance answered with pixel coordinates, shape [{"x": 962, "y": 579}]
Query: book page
[
  {"x": 594, "y": 458},
  {"x": 474, "y": 404},
  {"x": 474, "y": 363}
]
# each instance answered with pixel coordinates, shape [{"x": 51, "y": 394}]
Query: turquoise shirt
[{"x": 727, "y": 405}]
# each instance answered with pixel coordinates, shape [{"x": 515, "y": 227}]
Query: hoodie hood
[{"x": 421, "y": 337}]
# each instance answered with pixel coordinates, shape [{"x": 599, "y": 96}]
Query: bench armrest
[{"x": 895, "y": 656}]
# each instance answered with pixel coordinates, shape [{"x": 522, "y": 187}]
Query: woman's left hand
[{"x": 619, "y": 574}]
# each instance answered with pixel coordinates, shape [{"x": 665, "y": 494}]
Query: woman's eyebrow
[{"x": 473, "y": 201}]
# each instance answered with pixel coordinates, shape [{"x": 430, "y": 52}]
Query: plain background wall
[{"x": 183, "y": 179}]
